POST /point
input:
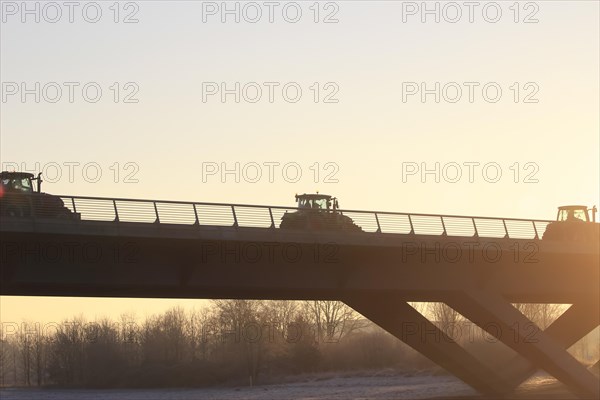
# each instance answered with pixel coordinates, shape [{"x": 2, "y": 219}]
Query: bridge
[{"x": 478, "y": 266}]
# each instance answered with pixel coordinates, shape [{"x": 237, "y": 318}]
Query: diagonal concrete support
[
  {"x": 576, "y": 322},
  {"x": 499, "y": 318},
  {"x": 407, "y": 324}
]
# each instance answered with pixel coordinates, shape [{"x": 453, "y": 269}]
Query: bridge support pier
[
  {"x": 498, "y": 317},
  {"x": 576, "y": 322},
  {"x": 396, "y": 316}
]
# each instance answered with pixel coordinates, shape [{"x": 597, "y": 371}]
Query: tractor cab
[
  {"x": 19, "y": 182},
  {"x": 21, "y": 196},
  {"x": 573, "y": 224},
  {"x": 317, "y": 212},
  {"x": 576, "y": 213},
  {"x": 317, "y": 202}
]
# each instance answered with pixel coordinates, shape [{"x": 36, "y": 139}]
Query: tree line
[{"x": 240, "y": 342}]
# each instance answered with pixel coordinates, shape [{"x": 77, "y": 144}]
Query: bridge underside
[{"x": 376, "y": 274}]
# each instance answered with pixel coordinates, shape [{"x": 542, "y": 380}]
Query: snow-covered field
[
  {"x": 382, "y": 387},
  {"x": 346, "y": 388}
]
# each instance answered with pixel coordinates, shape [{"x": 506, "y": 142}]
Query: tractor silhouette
[
  {"x": 19, "y": 199},
  {"x": 318, "y": 212},
  {"x": 573, "y": 224}
]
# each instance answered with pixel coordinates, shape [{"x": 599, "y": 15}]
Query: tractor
[
  {"x": 19, "y": 199},
  {"x": 573, "y": 224},
  {"x": 318, "y": 212}
]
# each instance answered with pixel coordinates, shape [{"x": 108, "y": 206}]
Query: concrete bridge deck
[{"x": 476, "y": 265}]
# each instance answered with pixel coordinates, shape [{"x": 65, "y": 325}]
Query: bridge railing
[{"x": 245, "y": 215}]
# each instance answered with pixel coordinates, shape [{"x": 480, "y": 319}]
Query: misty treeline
[
  {"x": 232, "y": 341},
  {"x": 241, "y": 342}
]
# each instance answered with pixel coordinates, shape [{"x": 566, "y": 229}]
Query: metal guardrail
[{"x": 244, "y": 215}]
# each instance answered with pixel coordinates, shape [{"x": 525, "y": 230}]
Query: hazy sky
[{"x": 369, "y": 124}]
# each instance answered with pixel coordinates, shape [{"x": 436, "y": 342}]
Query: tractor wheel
[
  {"x": 63, "y": 215},
  {"x": 290, "y": 222}
]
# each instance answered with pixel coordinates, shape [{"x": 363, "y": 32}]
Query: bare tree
[
  {"x": 102, "y": 355},
  {"x": 39, "y": 355},
  {"x": 302, "y": 349},
  {"x": 444, "y": 317},
  {"x": 129, "y": 338},
  {"x": 5, "y": 359},
  {"x": 199, "y": 330},
  {"x": 152, "y": 345},
  {"x": 67, "y": 353},
  {"x": 243, "y": 319},
  {"x": 333, "y": 319},
  {"x": 280, "y": 314},
  {"x": 420, "y": 306},
  {"x": 25, "y": 337},
  {"x": 174, "y": 322},
  {"x": 541, "y": 314}
]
